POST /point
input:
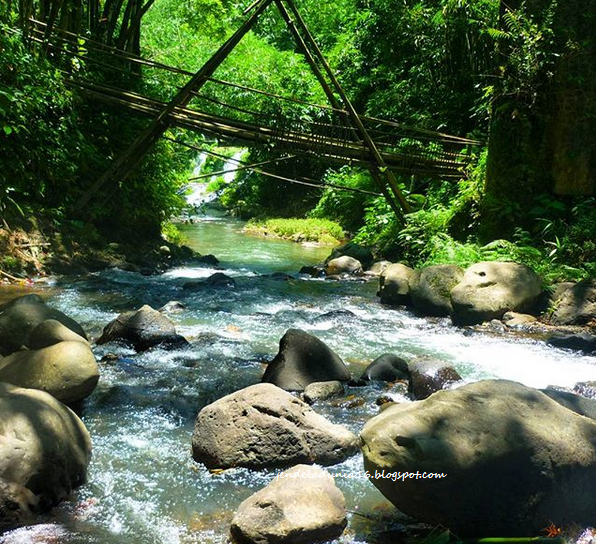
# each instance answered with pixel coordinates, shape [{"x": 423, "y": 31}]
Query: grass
[{"x": 322, "y": 231}]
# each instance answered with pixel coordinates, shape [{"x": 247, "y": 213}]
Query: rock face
[
  {"x": 263, "y": 426},
  {"x": 431, "y": 289},
  {"x": 514, "y": 460},
  {"x": 20, "y": 316},
  {"x": 386, "y": 368},
  {"x": 356, "y": 251},
  {"x": 344, "y": 265},
  {"x": 44, "y": 451},
  {"x": 394, "y": 284},
  {"x": 67, "y": 370},
  {"x": 301, "y": 506},
  {"x": 574, "y": 402},
  {"x": 428, "y": 375},
  {"x": 143, "y": 328},
  {"x": 304, "y": 359},
  {"x": 490, "y": 289},
  {"x": 577, "y": 306}
]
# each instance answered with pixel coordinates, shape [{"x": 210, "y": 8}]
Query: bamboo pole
[
  {"x": 382, "y": 167},
  {"x": 128, "y": 161}
]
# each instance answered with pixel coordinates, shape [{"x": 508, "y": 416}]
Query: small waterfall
[{"x": 198, "y": 195}]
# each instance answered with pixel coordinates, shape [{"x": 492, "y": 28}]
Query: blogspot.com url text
[{"x": 361, "y": 475}]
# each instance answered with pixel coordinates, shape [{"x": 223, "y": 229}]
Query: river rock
[
  {"x": 20, "y": 316},
  {"x": 386, "y": 368},
  {"x": 172, "y": 306},
  {"x": 322, "y": 391},
  {"x": 574, "y": 402},
  {"x": 344, "y": 265},
  {"x": 362, "y": 254},
  {"x": 377, "y": 268},
  {"x": 51, "y": 332},
  {"x": 67, "y": 370},
  {"x": 517, "y": 320},
  {"x": 581, "y": 342},
  {"x": 44, "y": 452},
  {"x": 394, "y": 284},
  {"x": 514, "y": 460},
  {"x": 431, "y": 287},
  {"x": 304, "y": 359},
  {"x": 429, "y": 375},
  {"x": 264, "y": 426},
  {"x": 215, "y": 281},
  {"x": 314, "y": 271},
  {"x": 143, "y": 328},
  {"x": 489, "y": 289},
  {"x": 577, "y": 306},
  {"x": 209, "y": 260},
  {"x": 301, "y": 506}
]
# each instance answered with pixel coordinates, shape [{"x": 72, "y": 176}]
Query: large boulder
[
  {"x": 490, "y": 289},
  {"x": 394, "y": 284},
  {"x": 219, "y": 280},
  {"x": 264, "y": 426},
  {"x": 143, "y": 328},
  {"x": 304, "y": 359},
  {"x": 386, "y": 368},
  {"x": 44, "y": 452},
  {"x": 356, "y": 251},
  {"x": 20, "y": 316},
  {"x": 431, "y": 287},
  {"x": 52, "y": 332},
  {"x": 514, "y": 461},
  {"x": 301, "y": 506},
  {"x": 67, "y": 370},
  {"x": 318, "y": 391},
  {"x": 581, "y": 342},
  {"x": 577, "y": 305},
  {"x": 344, "y": 265}
]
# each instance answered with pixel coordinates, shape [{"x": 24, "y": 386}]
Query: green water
[{"x": 144, "y": 487}]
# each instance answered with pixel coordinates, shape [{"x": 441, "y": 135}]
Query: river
[{"x": 144, "y": 487}]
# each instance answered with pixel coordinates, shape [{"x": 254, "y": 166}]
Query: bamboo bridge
[{"x": 288, "y": 126}]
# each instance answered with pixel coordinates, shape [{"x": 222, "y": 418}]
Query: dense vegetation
[{"x": 519, "y": 77}]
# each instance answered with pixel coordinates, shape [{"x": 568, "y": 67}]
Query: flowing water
[{"x": 144, "y": 487}]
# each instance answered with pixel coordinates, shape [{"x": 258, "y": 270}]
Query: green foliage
[
  {"x": 323, "y": 231},
  {"x": 172, "y": 234},
  {"x": 345, "y": 207}
]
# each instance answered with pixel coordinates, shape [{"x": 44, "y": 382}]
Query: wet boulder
[
  {"x": 318, "y": 391},
  {"x": 304, "y": 359},
  {"x": 430, "y": 289},
  {"x": 143, "y": 329},
  {"x": 580, "y": 342},
  {"x": 394, "y": 284},
  {"x": 44, "y": 452},
  {"x": 264, "y": 426},
  {"x": 355, "y": 251},
  {"x": 514, "y": 460},
  {"x": 313, "y": 271},
  {"x": 577, "y": 305},
  {"x": 489, "y": 289},
  {"x": 20, "y": 316},
  {"x": 429, "y": 375},
  {"x": 344, "y": 265},
  {"x": 50, "y": 332},
  {"x": 301, "y": 506},
  {"x": 218, "y": 280},
  {"x": 67, "y": 370},
  {"x": 386, "y": 368},
  {"x": 172, "y": 306}
]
